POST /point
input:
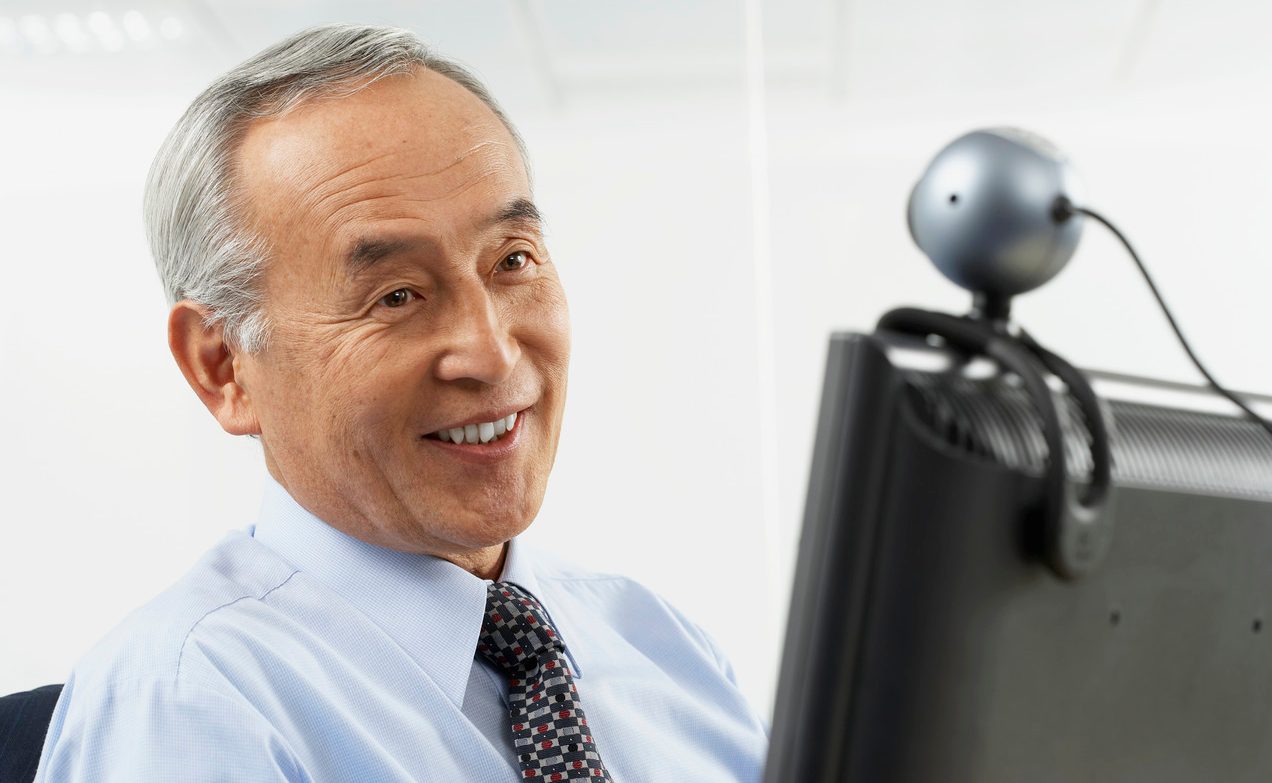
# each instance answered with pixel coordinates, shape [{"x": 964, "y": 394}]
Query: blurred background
[{"x": 725, "y": 185}]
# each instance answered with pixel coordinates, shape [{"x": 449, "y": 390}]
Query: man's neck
[{"x": 485, "y": 563}]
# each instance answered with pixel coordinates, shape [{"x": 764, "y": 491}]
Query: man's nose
[{"x": 481, "y": 345}]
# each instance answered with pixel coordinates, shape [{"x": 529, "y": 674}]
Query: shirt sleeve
[{"x": 159, "y": 730}]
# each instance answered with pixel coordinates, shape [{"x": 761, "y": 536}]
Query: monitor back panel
[{"x": 957, "y": 656}]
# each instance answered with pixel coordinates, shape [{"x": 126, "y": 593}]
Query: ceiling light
[
  {"x": 105, "y": 31},
  {"x": 36, "y": 30},
  {"x": 171, "y": 28},
  {"x": 70, "y": 32},
  {"x": 135, "y": 24}
]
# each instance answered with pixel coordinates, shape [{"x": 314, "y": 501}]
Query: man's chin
[
  {"x": 495, "y": 533},
  {"x": 480, "y": 547},
  {"x": 473, "y": 529}
]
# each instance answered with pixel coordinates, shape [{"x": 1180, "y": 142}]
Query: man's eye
[
  {"x": 397, "y": 298},
  {"x": 519, "y": 260}
]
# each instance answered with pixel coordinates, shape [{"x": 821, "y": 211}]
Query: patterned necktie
[{"x": 549, "y": 729}]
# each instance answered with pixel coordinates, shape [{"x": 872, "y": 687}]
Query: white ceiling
[{"x": 551, "y": 54}]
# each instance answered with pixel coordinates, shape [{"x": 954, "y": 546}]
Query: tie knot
[{"x": 515, "y": 629}]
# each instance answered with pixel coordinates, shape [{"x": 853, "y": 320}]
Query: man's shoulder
[
  {"x": 632, "y": 608},
  {"x": 148, "y": 643}
]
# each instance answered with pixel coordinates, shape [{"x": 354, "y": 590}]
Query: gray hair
[{"x": 202, "y": 248}]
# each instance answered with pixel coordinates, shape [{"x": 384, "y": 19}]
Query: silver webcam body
[{"x": 984, "y": 212}]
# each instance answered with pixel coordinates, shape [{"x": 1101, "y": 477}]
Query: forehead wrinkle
[
  {"x": 360, "y": 165},
  {"x": 333, "y": 221},
  {"x": 360, "y": 194}
]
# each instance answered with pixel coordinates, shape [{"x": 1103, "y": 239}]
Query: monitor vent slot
[{"x": 1153, "y": 446}]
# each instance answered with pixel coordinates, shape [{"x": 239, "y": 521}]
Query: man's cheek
[{"x": 377, "y": 410}]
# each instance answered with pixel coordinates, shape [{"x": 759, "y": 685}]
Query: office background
[{"x": 724, "y": 183}]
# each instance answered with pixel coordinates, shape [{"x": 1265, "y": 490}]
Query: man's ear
[{"x": 211, "y": 367}]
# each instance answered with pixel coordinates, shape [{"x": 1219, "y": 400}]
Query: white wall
[{"x": 113, "y": 479}]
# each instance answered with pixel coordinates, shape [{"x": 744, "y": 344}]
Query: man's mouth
[{"x": 485, "y": 432}]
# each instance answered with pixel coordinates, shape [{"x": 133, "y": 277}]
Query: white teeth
[{"x": 479, "y": 433}]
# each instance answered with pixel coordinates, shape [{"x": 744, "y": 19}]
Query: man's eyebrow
[
  {"x": 367, "y": 251},
  {"x": 521, "y": 210}
]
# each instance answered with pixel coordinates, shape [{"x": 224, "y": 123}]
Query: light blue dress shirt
[{"x": 294, "y": 652}]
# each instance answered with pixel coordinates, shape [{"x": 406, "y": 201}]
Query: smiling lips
[{"x": 485, "y": 432}]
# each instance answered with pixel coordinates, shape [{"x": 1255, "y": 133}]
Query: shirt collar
[
  {"x": 517, "y": 569},
  {"x": 431, "y": 607}
]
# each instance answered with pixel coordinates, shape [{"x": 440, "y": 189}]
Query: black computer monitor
[{"x": 927, "y": 642}]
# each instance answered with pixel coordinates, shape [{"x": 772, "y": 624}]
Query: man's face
[{"x": 410, "y": 292}]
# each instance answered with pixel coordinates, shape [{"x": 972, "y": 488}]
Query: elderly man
[{"x": 345, "y": 227}]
